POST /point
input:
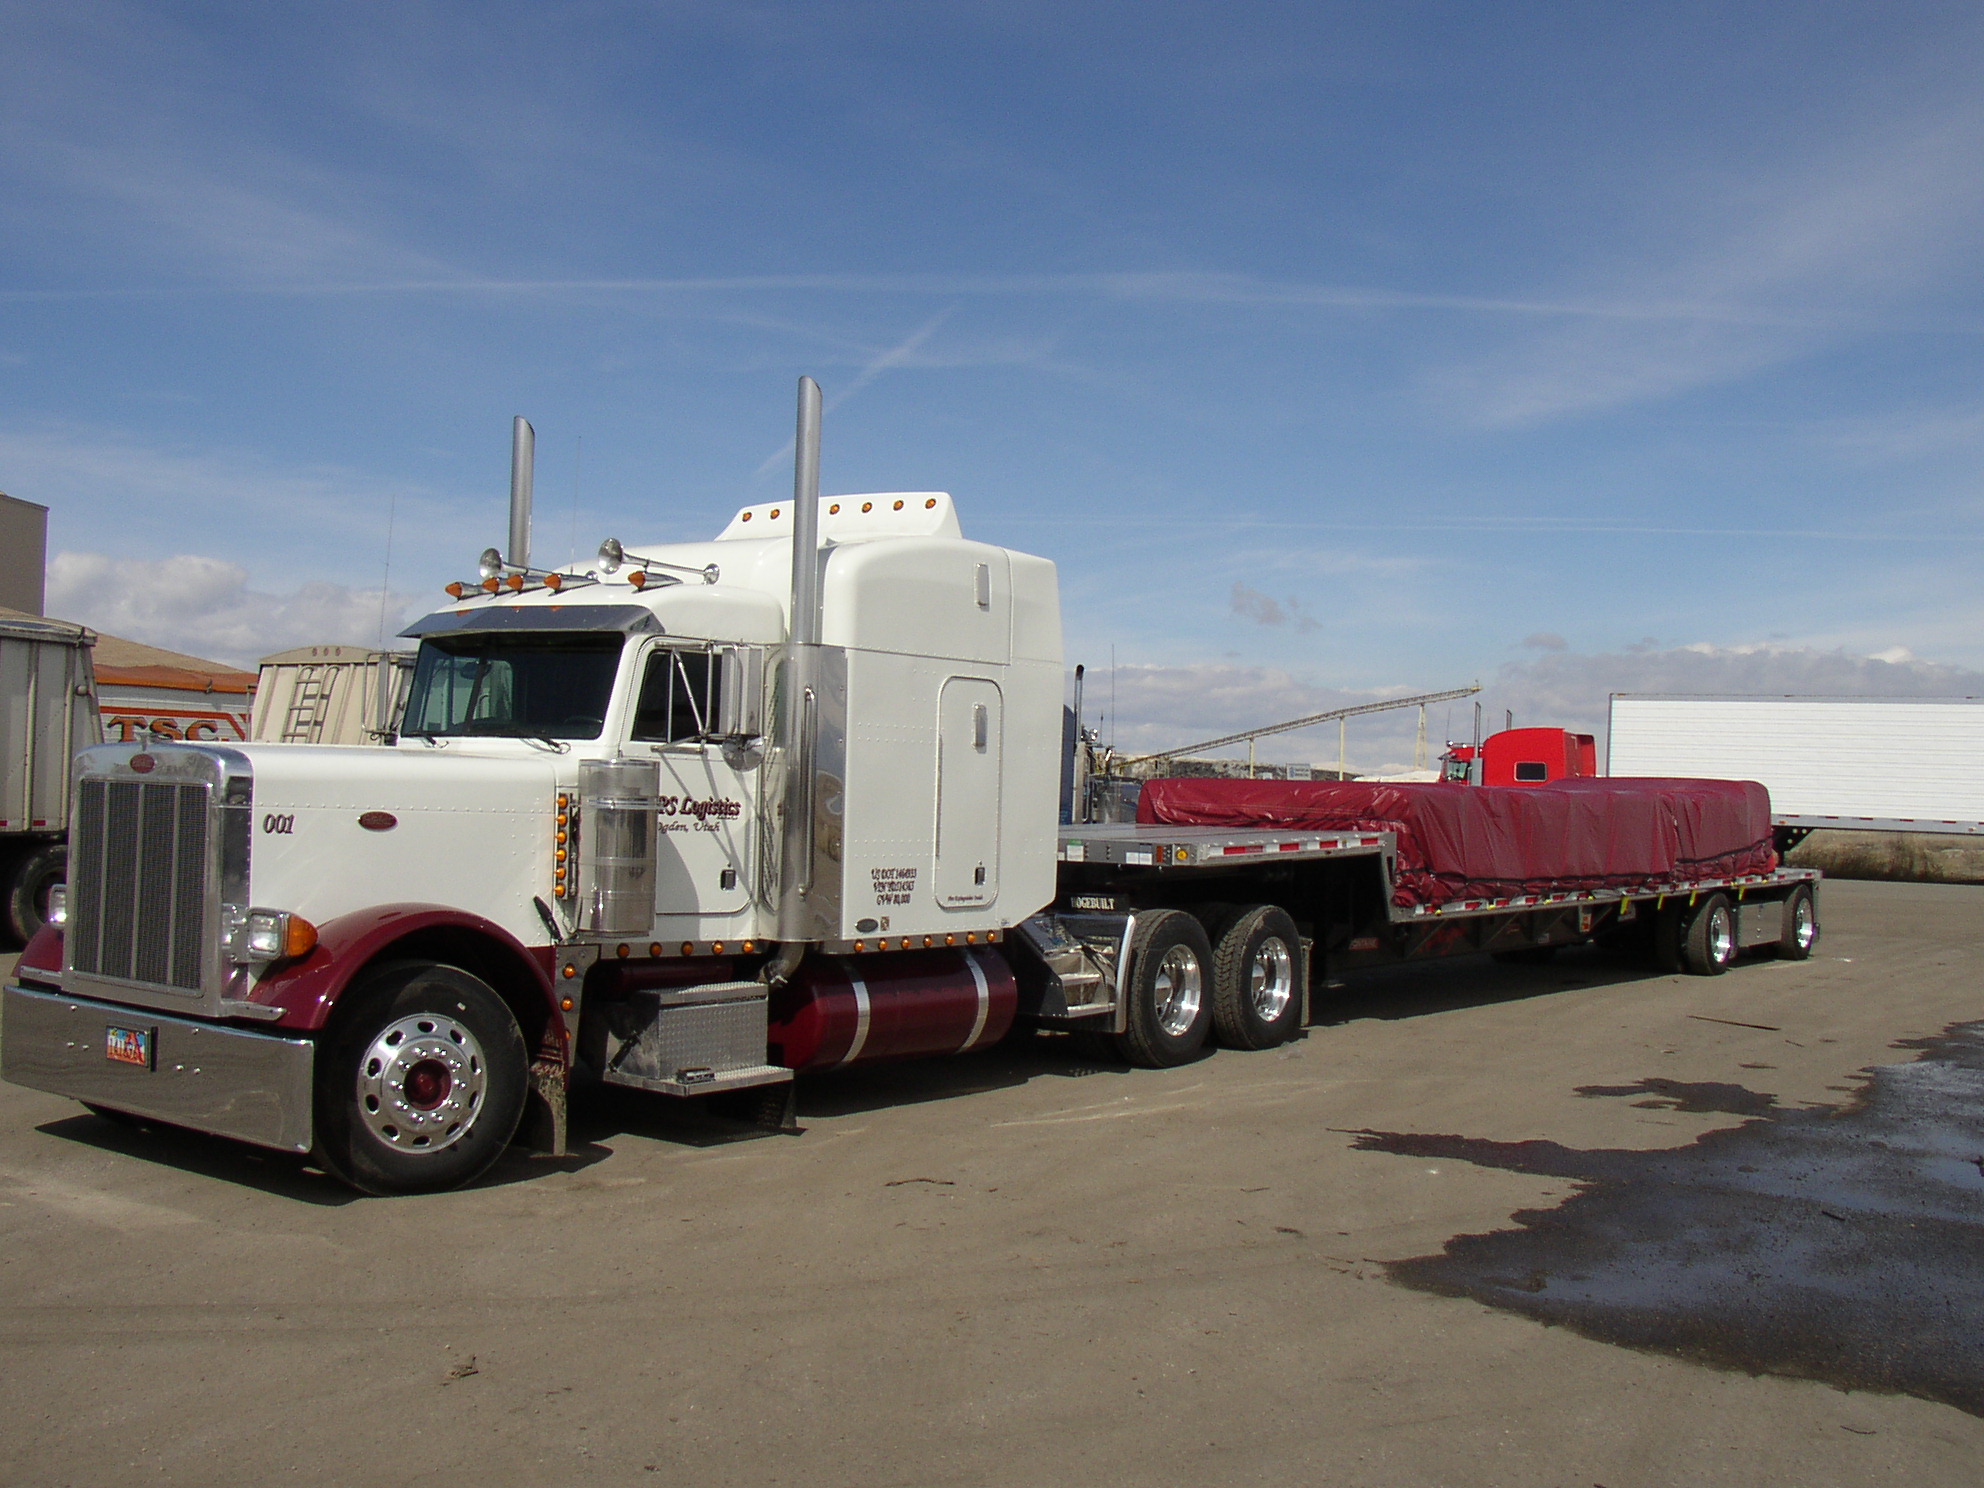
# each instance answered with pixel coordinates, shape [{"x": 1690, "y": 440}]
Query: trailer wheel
[
  {"x": 1801, "y": 924},
  {"x": 1257, "y": 980},
  {"x": 1169, "y": 999},
  {"x": 1708, "y": 945},
  {"x": 28, "y": 881},
  {"x": 421, "y": 1084}
]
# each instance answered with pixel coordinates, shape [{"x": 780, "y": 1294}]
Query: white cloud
[
  {"x": 203, "y": 606},
  {"x": 1775, "y": 270},
  {"x": 1572, "y": 690}
]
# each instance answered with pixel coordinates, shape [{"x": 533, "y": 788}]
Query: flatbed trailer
[{"x": 1338, "y": 890}]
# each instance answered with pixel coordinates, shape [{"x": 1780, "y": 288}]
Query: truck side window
[
  {"x": 1532, "y": 770},
  {"x": 678, "y": 697}
]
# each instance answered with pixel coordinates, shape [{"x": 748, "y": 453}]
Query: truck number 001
[{"x": 283, "y": 825}]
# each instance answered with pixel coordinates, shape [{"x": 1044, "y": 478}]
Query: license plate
[{"x": 130, "y": 1045}]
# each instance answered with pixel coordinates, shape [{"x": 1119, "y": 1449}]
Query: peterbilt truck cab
[{"x": 703, "y": 814}]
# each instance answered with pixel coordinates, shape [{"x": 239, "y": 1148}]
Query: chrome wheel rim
[
  {"x": 1721, "y": 935},
  {"x": 1270, "y": 978},
  {"x": 420, "y": 1083},
  {"x": 1804, "y": 925},
  {"x": 1178, "y": 991}
]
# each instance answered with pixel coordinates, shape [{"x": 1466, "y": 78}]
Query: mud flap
[{"x": 543, "y": 1126}]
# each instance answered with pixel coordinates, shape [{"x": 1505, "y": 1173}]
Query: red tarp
[{"x": 1494, "y": 842}]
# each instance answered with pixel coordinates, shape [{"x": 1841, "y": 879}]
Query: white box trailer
[{"x": 1864, "y": 763}]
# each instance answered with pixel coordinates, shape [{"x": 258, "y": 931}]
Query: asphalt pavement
[{"x": 1569, "y": 1225}]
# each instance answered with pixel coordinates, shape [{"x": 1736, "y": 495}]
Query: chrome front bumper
[{"x": 232, "y": 1082}]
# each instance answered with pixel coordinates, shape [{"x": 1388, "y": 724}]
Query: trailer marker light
[
  {"x": 927, "y": 941},
  {"x": 950, "y": 940},
  {"x": 716, "y": 948},
  {"x": 621, "y": 952},
  {"x": 654, "y": 949},
  {"x": 564, "y": 1004},
  {"x": 688, "y": 948},
  {"x": 750, "y": 946},
  {"x": 860, "y": 946},
  {"x": 970, "y": 938}
]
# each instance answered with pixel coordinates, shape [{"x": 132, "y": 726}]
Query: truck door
[
  {"x": 704, "y": 828},
  {"x": 969, "y": 728}
]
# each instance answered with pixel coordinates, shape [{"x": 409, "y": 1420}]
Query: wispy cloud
[
  {"x": 1774, "y": 271},
  {"x": 901, "y": 354}
]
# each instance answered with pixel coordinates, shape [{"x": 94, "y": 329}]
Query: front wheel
[
  {"x": 421, "y": 1083},
  {"x": 1168, "y": 992}
]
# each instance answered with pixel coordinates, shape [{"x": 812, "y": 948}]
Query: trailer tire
[
  {"x": 28, "y": 881},
  {"x": 1708, "y": 945},
  {"x": 421, "y": 1082},
  {"x": 1257, "y": 979},
  {"x": 1801, "y": 925},
  {"x": 1169, "y": 999}
]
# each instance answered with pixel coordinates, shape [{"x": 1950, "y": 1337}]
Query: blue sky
[{"x": 1331, "y": 350}]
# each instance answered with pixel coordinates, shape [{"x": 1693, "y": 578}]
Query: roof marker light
[
  {"x": 454, "y": 590},
  {"x": 867, "y": 506},
  {"x": 554, "y": 582},
  {"x": 638, "y": 579},
  {"x": 928, "y": 505},
  {"x": 897, "y": 507},
  {"x": 834, "y": 510},
  {"x": 492, "y": 583}
]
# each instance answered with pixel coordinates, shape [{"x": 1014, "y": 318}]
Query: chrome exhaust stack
[
  {"x": 799, "y": 715},
  {"x": 523, "y": 459}
]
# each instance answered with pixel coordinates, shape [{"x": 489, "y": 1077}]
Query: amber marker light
[
  {"x": 688, "y": 948},
  {"x": 554, "y": 582},
  {"x": 867, "y": 506},
  {"x": 492, "y": 583},
  {"x": 834, "y": 510},
  {"x": 896, "y": 507},
  {"x": 638, "y": 578},
  {"x": 516, "y": 583},
  {"x": 622, "y": 952},
  {"x": 299, "y": 937},
  {"x": 565, "y": 1004},
  {"x": 970, "y": 937},
  {"x": 930, "y": 503},
  {"x": 774, "y": 514},
  {"x": 654, "y": 950},
  {"x": 860, "y": 946},
  {"x": 746, "y": 517},
  {"x": 454, "y": 590}
]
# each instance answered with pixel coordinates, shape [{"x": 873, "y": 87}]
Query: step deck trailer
[{"x": 704, "y": 816}]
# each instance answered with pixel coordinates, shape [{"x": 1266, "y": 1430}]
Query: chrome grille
[{"x": 138, "y": 856}]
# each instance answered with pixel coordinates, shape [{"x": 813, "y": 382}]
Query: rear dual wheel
[
  {"x": 421, "y": 1083},
  {"x": 1698, "y": 938},
  {"x": 1258, "y": 978}
]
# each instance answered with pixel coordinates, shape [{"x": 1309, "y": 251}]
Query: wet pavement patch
[{"x": 1836, "y": 1243}]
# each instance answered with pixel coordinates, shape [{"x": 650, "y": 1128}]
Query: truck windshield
[{"x": 513, "y": 685}]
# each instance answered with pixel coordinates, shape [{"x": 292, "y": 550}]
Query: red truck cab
[{"x": 1524, "y": 756}]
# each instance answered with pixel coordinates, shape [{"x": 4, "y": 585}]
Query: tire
[
  {"x": 1169, "y": 996},
  {"x": 1801, "y": 925},
  {"x": 1670, "y": 930},
  {"x": 1258, "y": 979},
  {"x": 1708, "y": 945},
  {"x": 421, "y": 1084},
  {"x": 28, "y": 880}
]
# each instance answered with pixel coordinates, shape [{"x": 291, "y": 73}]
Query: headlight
[
  {"x": 275, "y": 935},
  {"x": 58, "y": 905},
  {"x": 490, "y": 564}
]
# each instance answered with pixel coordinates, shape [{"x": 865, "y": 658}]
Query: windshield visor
[{"x": 513, "y": 685}]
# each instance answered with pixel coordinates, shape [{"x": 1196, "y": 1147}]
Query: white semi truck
[{"x": 703, "y": 816}]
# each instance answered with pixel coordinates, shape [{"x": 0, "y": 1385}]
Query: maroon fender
[
  {"x": 44, "y": 952},
  {"x": 306, "y": 990},
  {"x": 854, "y": 1009}
]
